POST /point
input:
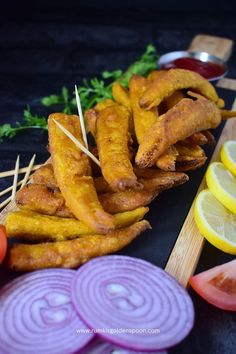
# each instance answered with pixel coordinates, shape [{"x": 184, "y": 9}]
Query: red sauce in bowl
[{"x": 207, "y": 69}]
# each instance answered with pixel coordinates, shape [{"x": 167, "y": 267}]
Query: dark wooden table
[{"x": 53, "y": 46}]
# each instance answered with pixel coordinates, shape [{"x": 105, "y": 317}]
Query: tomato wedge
[
  {"x": 217, "y": 285},
  {"x": 3, "y": 242}
]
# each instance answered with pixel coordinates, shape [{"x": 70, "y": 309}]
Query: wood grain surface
[{"x": 189, "y": 244}]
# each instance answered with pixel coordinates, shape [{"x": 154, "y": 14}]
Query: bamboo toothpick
[
  {"x": 21, "y": 170},
  {"x": 6, "y": 201},
  {"x": 9, "y": 189},
  {"x": 77, "y": 143},
  {"x": 15, "y": 180},
  {"x": 81, "y": 117},
  {"x": 29, "y": 169}
]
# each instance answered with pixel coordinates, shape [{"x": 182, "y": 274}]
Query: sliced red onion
[
  {"x": 37, "y": 315},
  {"x": 132, "y": 303},
  {"x": 98, "y": 346}
]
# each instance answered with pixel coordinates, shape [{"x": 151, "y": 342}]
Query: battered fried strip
[
  {"x": 50, "y": 202},
  {"x": 177, "y": 79},
  {"x": 34, "y": 227},
  {"x": 196, "y": 139},
  {"x": 181, "y": 121},
  {"x": 112, "y": 141},
  {"x": 167, "y": 160},
  {"x": 73, "y": 174},
  {"x": 121, "y": 95},
  {"x": 91, "y": 115},
  {"x": 190, "y": 157},
  {"x": 156, "y": 74},
  {"x": 143, "y": 120},
  {"x": 210, "y": 137},
  {"x": 45, "y": 175},
  {"x": 71, "y": 254},
  {"x": 225, "y": 114},
  {"x": 175, "y": 98}
]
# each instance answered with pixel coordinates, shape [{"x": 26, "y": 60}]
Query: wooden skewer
[
  {"x": 3, "y": 204},
  {"x": 77, "y": 143},
  {"x": 21, "y": 170},
  {"x": 81, "y": 117},
  {"x": 15, "y": 180},
  {"x": 29, "y": 169},
  {"x": 9, "y": 189}
]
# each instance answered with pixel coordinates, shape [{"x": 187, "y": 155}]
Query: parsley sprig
[{"x": 91, "y": 92}]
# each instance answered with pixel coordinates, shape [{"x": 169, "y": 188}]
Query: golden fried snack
[
  {"x": 104, "y": 104},
  {"x": 143, "y": 120},
  {"x": 196, "y": 139},
  {"x": 210, "y": 137},
  {"x": 127, "y": 200},
  {"x": 73, "y": 174},
  {"x": 112, "y": 141},
  {"x": 177, "y": 79},
  {"x": 166, "y": 161},
  {"x": 73, "y": 253},
  {"x": 225, "y": 114},
  {"x": 121, "y": 95},
  {"x": 181, "y": 121},
  {"x": 172, "y": 100},
  {"x": 45, "y": 200},
  {"x": 34, "y": 227},
  {"x": 190, "y": 157},
  {"x": 90, "y": 121},
  {"x": 156, "y": 74},
  {"x": 45, "y": 175}
]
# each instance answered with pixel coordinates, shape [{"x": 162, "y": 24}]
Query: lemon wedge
[
  {"x": 228, "y": 155},
  {"x": 216, "y": 223},
  {"x": 222, "y": 184}
]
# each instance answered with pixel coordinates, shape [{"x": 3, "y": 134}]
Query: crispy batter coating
[
  {"x": 73, "y": 253},
  {"x": 44, "y": 200},
  {"x": 190, "y": 157},
  {"x": 225, "y": 114},
  {"x": 143, "y": 120},
  {"x": 121, "y": 95},
  {"x": 180, "y": 122},
  {"x": 91, "y": 115},
  {"x": 175, "y": 98},
  {"x": 210, "y": 137},
  {"x": 196, "y": 139},
  {"x": 45, "y": 175},
  {"x": 112, "y": 141},
  {"x": 73, "y": 174},
  {"x": 34, "y": 227},
  {"x": 166, "y": 161},
  {"x": 177, "y": 79},
  {"x": 156, "y": 74}
]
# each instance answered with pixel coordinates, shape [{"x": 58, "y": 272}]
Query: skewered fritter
[{"x": 73, "y": 174}]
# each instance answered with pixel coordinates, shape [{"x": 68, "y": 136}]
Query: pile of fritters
[{"x": 146, "y": 138}]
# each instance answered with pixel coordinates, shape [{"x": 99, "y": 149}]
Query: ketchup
[{"x": 207, "y": 69}]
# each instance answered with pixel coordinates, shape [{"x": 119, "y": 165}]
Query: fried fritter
[
  {"x": 112, "y": 139},
  {"x": 225, "y": 114},
  {"x": 177, "y": 79},
  {"x": 143, "y": 120},
  {"x": 45, "y": 175},
  {"x": 121, "y": 95},
  {"x": 196, "y": 139},
  {"x": 167, "y": 160},
  {"x": 156, "y": 74},
  {"x": 73, "y": 253},
  {"x": 73, "y": 174},
  {"x": 34, "y": 227},
  {"x": 190, "y": 157},
  {"x": 181, "y": 121},
  {"x": 175, "y": 98}
]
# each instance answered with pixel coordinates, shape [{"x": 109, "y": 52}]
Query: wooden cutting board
[
  {"x": 184, "y": 257},
  {"x": 189, "y": 244}
]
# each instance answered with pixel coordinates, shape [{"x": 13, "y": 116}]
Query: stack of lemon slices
[{"x": 215, "y": 208}]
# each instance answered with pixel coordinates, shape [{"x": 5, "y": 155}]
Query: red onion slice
[
  {"x": 98, "y": 346},
  {"x": 37, "y": 315},
  {"x": 132, "y": 303}
]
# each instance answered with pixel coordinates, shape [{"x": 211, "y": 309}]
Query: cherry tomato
[
  {"x": 3, "y": 242},
  {"x": 217, "y": 285}
]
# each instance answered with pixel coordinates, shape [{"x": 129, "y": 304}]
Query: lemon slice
[
  {"x": 228, "y": 155},
  {"x": 222, "y": 183},
  {"x": 216, "y": 223}
]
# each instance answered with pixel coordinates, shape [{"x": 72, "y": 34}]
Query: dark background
[{"x": 46, "y": 44}]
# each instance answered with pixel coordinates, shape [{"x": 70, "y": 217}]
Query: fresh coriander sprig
[{"x": 30, "y": 121}]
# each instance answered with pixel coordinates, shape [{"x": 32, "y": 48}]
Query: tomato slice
[
  {"x": 3, "y": 242},
  {"x": 217, "y": 285}
]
